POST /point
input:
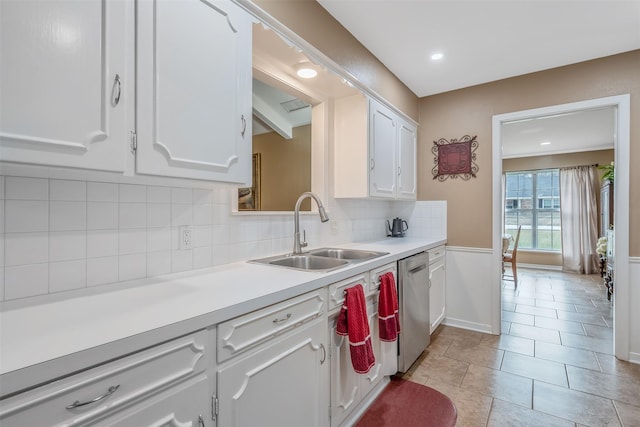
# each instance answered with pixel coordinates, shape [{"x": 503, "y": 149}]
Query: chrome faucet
[{"x": 297, "y": 244}]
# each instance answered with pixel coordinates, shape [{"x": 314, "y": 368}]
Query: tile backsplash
[{"x": 59, "y": 235}]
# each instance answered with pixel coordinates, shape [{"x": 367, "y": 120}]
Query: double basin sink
[{"x": 320, "y": 260}]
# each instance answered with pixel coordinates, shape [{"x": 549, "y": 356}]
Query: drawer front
[
  {"x": 336, "y": 290},
  {"x": 436, "y": 254},
  {"x": 249, "y": 330},
  {"x": 183, "y": 406},
  {"x": 91, "y": 395},
  {"x": 374, "y": 280}
]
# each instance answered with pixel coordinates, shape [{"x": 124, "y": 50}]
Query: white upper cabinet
[
  {"x": 194, "y": 90},
  {"x": 407, "y": 160},
  {"x": 382, "y": 150},
  {"x": 64, "y": 83},
  {"x": 375, "y": 151}
]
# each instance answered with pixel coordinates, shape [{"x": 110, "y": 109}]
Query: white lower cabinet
[
  {"x": 166, "y": 385},
  {"x": 185, "y": 405},
  {"x": 279, "y": 384},
  {"x": 437, "y": 286},
  {"x": 349, "y": 389}
]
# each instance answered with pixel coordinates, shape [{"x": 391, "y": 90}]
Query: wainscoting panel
[{"x": 469, "y": 288}]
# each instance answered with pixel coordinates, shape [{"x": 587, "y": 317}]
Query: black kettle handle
[{"x": 405, "y": 223}]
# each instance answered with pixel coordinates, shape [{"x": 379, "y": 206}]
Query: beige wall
[
  {"x": 286, "y": 168},
  {"x": 599, "y": 157},
  {"x": 314, "y": 24},
  {"x": 470, "y": 111}
]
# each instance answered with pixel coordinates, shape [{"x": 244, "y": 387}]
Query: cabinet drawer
[
  {"x": 436, "y": 254},
  {"x": 89, "y": 396},
  {"x": 336, "y": 290},
  {"x": 249, "y": 330},
  {"x": 374, "y": 275}
]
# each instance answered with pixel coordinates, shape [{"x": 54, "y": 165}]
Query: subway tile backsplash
[{"x": 61, "y": 235}]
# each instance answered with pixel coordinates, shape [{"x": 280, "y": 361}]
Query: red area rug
[{"x": 405, "y": 403}]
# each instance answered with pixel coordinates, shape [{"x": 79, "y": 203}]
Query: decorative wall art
[
  {"x": 455, "y": 158},
  {"x": 249, "y": 197}
]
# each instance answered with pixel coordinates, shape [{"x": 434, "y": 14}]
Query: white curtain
[{"x": 579, "y": 215}]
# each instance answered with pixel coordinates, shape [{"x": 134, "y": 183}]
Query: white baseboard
[
  {"x": 634, "y": 358},
  {"x": 541, "y": 266},
  {"x": 463, "y": 324}
]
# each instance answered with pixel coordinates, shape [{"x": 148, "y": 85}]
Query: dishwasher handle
[{"x": 418, "y": 268}]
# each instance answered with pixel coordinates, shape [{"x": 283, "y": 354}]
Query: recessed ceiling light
[
  {"x": 307, "y": 73},
  {"x": 545, "y": 143},
  {"x": 437, "y": 56}
]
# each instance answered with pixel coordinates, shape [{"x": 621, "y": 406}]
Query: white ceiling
[
  {"x": 483, "y": 40},
  {"x": 584, "y": 130}
]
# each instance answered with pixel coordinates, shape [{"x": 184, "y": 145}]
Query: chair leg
[{"x": 515, "y": 274}]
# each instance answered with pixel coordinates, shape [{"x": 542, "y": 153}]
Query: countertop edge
[{"x": 19, "y": 378}]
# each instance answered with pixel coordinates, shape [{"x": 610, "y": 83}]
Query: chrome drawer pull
[
  {"x": 109, "y": 392},
  {"x": 284, "y": 319},
  {"x": 324, "y": 354}
]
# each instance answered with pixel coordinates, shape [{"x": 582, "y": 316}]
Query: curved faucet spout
[{"x": 297, "y": 244}]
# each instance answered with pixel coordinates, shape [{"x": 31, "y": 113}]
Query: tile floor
[{"x": 552, "y": 365}]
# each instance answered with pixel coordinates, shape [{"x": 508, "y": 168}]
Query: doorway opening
[{"x": 621, "y": 103}]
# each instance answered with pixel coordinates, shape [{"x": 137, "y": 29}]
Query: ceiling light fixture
[
  {"x": 545, "y": 143},
  {"x": 437, "y": 56},
  {"x": 306, "y": 71}
]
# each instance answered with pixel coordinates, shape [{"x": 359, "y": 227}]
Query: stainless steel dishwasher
[{"x": 413, "y": 305}]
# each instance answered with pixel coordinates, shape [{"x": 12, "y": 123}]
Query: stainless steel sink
[
  {"x": 353, "y": 255},
  {"x": 320, "y": 260},
  {"x": 309, "y": 262},
  {"x": 304, "y": 261}
]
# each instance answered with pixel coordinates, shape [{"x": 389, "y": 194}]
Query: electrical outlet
[
  {"x": 186, "y": 238},
  {"x": 334, "y": 227}
]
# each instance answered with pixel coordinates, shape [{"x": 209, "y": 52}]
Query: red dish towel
[
  {"x": 388, "y": 318},
  {"x": 353, "y": 322}
]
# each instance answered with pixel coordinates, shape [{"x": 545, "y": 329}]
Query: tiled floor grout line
[{"x": 583, "y": 368}]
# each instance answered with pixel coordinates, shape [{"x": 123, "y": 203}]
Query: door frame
[{"x": 622, "y": 142}]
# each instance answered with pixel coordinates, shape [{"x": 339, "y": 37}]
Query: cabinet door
[
  {"x": 345, "y": 382},
  {"x": 382, "y": 151},
  {"x": 64, "y": 82},
  {"x": 373, "y": 377},
  {"x": 436, "y": 293},
  {"x": 282, "y": 384},
  {"x": 194, "y": 90},
  {"x": 407, "y": 140}
]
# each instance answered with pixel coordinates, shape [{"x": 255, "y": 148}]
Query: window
[{"x": 532, "y": 200}]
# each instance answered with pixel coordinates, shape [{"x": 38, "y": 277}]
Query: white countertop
[{"x": 86, "y": 322}]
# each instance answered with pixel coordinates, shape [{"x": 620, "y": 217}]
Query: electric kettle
[{"x": 398, "y": 228}]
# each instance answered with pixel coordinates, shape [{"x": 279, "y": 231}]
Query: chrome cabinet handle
[
  {"x": 284, "y": 319},
  {"x": 244, "y": 125},
  {"x": 324, "y": 354},
  {"x": 109, "y": 392},
  {"x": 373, "y": 163},
  {"x": 115, "y": 92}
]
